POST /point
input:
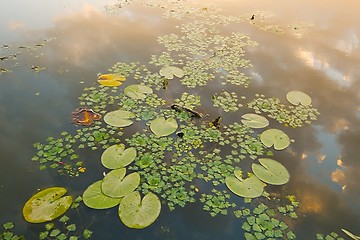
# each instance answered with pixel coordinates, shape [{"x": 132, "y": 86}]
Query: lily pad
[
  {"x": 170, "y": 71},
  {"x": 111, "y": 80},
  {"x": 93, "y": 197},
  {"x": 275, "y": 137},
  {"x": 298, "y": 97},
  {"x": 47, "y": 205},
  {"x": 117, "y": 156},
  {"x": 163, "y": 127},
  {"x": 271, "y": 171},
  {"x": 254, "y": 120},
  {"x": 250, "y": 187},
  {"x": 137, "y": 91},
  {"x": 116, "y": 185},
  {"x": 137, "y": 213},
  {"x": 119, "y": 118}
]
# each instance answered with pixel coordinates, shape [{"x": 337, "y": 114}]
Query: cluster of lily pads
[
  {"x": 179, "y": 150},
  {"x": 117, "y": 188}
]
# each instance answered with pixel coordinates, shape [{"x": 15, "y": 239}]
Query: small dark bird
[{"x": 252, "y": 17}]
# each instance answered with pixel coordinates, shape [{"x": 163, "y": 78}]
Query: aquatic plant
[
  {"x": 7, "y": 232},
  {"x": 64, "y": 229},
  {"x": 294, "y": 115},
  {"x": 47, "y": 205},
  {"x": 179, "y": 147},
  {"x": 227, "y": 101}
]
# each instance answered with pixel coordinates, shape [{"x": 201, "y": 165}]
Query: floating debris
[
  {"x": 180, "y": 108},
  {"x": 36, "y": 68}
]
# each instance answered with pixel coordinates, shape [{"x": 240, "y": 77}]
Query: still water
[{"x": 318, "y": 53}]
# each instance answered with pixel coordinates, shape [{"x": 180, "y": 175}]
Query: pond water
[{"x": 52, "y": 50}]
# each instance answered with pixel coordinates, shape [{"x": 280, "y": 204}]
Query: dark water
[{"x": 82, "y": 40}]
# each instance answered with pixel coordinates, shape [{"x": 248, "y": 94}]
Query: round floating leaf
[
  {"x": 271, "y": 171},
  {"x": 250, "y": 187},
  {"x": 119, "y": 118},
  {"x": 135, "y": 213},
  {"x": 116, "y": 185},
  {"x": 161, "y": 127},
  {"x": 137, "y": 91},
  {"x": 275, "y": 137},
  {"x": 170, "y": 71},
  {"x": 111, "y": 80},
  {"x": 254, "y": 120},
  {"x": 298, "y": 97},
  {"x": 46, "y": 205},
  {"x": 117, "y": 156},
  {"x": 93, "y": 197}
]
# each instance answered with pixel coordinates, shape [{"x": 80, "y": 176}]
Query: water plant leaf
[
  {"x": 93, "y": 197},
  {"x": 115, "y": 184},
  {"x": 275, "y": 137},
  {"x": 137, "y": 91},
  {"x": 254, "y": 120},
  {"x": 111, "y": 80},
  {"x": 170, "y": 71},
  {"x": 250, "y": 187},
  {"x": 298, "y": 97},
  {"x": 163, "y": 127},
  {"x": 47, "y": 205},
  {"x": 271, "y": 171},
  {"x": 137, "y": 213},
  {"x": 119, "y": 118},
  {"x": 117, "y": 156}
]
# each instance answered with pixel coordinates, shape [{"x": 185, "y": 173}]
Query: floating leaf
[
  {"x": 119, "y": 118},
  {"x": 117, "y": 156},
  {"x": 137, "y": 91},
  {"x": 250, "y": 187},
  {"x": 254, "y": 120},
  {"x": 271, "y": 171},
  {"x": 298, "y": 97},
  {"x": 111, "y": 80},
  {"x": 137, "y": 213},
  {"x": 170, "y": 71},
  {"x": 161, "y": 127},
  {"x": 47, "y": 205},
  {"x": 93, "y": 197},
  {"x": 275, "y": 137},
  {"x": 116, "y": 185}
]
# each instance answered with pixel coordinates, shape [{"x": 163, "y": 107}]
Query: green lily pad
[
  {"x": 161, "y": 127},
  {"x": 116, "y": 184},
  {"x": 119, "y": 118},
  {"x": 170, "y": 71},
  {"x": 250, "y": 187},
  {"x": 137, "y": 213},
  {"x": 275, "y": 137},
  {"x": 254, "y": 120},
  {"x": 117, "y": 156},
  {"x": 298, "y": 97},
  {"x": 47, "y": 205},
  {"x": 137, "y": 91},
  {"x": 271, "y": 171},
  {"x": 93, "y": 197}
]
